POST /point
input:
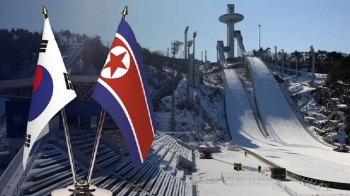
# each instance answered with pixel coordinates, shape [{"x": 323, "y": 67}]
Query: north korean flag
[{"x": 122, "y": 89}]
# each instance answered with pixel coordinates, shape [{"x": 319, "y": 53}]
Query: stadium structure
[
  {"x": 170, "y": 163},
  {"x": 169, "y": 160},
  {"x": 230, "y": 19}
]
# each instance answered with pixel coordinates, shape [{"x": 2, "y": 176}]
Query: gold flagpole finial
[
  {"x": 125, "y": 12},
  {"x": 45, "y": 12}
]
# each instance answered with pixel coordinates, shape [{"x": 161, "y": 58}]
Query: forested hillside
[{"x": 19, "y": 51}]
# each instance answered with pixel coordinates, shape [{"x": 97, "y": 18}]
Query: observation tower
[{"x": 230, "y": 19}]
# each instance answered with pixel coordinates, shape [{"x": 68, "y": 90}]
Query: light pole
[
  {"x": 194, "y": 38},
  {"x": 282, "y": 63},
  {"x": 259, "y": 37},
  {"x": 217, "y": 52},
  {"x": 296, "y": 53},
  {"x": 174, "y": 49},
  {"x": 193, "y": 68},
  {"x": 189, "y": 44},
  {"x": 313, "y": 65},
  {"x": 181, "y": 43},
  {"x": 276, "y": 56},
  {"x": 188, "y": 69},
  {"x": 186, "y": 30}
]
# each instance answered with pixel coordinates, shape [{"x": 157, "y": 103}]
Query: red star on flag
[{"x": 115, "y": 62}]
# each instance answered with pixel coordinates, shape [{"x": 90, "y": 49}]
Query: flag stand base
[{"x": 81, "y": 189}]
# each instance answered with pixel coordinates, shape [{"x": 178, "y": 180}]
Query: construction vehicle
[
  {"x": 341, "y": 148},
  {"x": 206, "y": 154}
]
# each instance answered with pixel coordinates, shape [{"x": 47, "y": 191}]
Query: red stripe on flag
[{"x": 130, "y": 90}]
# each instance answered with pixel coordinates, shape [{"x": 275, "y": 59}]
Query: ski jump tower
[{"x": 230, "y": 19}]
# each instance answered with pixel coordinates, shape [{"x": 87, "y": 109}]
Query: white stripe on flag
[
  {"x": 138, "y": 72},
  {"x": 125, "y": 111}
]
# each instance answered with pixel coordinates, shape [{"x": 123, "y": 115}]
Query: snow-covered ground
[
  {"x": 216, "y": 177},
  {"x": 297, "y": 151},
  {"x": 290, "y": 145},
  {"x": 205, "y": 113}
]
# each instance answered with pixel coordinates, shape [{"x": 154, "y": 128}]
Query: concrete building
[{"x": 230, "y": 19}]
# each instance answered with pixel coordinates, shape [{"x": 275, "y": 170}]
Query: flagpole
[
  {"x": 97, "y": 141},
  {"x": 65, "y": 125},
  {"x": 69, "y": 146},
  {"x": 100, "y": 124}
]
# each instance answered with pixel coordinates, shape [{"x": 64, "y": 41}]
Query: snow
[
  {"x": 240, "y": 116},
  {"x": 279, "y": 118},
  {"x": 342, "y": 106},
  {"x": 289, "y": 144},
  {"x": 216, "y": 177},
  {"x": 205, "y": 111}
]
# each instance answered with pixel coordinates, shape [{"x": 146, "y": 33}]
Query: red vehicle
[
  {"x": 206, "y": 154},
  {"x": 341, "y": 148}
]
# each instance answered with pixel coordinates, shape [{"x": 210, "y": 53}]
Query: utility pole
[{"x": 174, "y": 49}]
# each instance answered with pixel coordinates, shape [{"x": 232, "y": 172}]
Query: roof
[
  {"x": 29, "y": 81},
  {"x": 231, "y": 17}
]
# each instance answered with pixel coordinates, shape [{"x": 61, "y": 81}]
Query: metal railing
[{"x": 30, "y": 163}]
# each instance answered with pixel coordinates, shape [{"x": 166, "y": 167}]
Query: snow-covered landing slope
[
  {"x": 240, "y": 116},
  {"x": 290, "y": 145},
  {"x": 277, "y": 115}
]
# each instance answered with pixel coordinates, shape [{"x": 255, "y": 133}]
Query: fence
[
  {"x": 315, "y": 187},
  {"x": 246, "y": 179},
  {"x": 265, "y": 180},
  {"x": 301, "y": 73}
]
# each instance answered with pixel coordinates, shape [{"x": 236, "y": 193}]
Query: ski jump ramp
[
  {"x": 240, "y": 117},
  {"x": 289, "y": 144},
  {"x": 276, "y": 113}
]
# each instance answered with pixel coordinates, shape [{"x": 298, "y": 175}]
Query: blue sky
[{"x": 288, "y": 24}]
